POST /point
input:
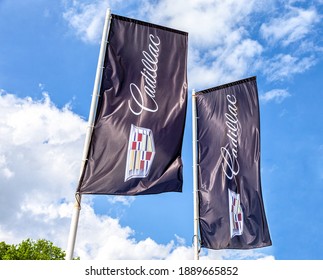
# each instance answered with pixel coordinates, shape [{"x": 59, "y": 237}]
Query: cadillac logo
[
  {"x": 235, "y": 213},
  {"x": 141, "y": 152}
]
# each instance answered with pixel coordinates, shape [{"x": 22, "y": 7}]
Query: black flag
[
  {"x": 230, "y": 197},
  {"x": 137, "y": 138}
]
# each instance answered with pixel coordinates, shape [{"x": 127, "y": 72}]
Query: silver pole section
[
  {"x": 94, "y": 103},
  {"x": 73, "y": 228},
  {"x": 195, "y": 179}
]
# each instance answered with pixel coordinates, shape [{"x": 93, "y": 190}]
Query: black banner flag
[
  {"x": 138, "y": 133},
  {"x": 231, "y": 206}
]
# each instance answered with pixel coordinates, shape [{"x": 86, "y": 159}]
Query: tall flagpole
[
  {"x": 195, "y": 178},
  {"x": 94, "y": 103}
]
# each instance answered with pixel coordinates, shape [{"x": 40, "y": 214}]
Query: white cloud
[
  {"x": 277, "y": 95},
  {"x": 208, "y": 22},
  {"x": 284, "y": 66},
  {"x": 112, "y": 241},
  {"x": 41, "y": 86},
  {"x": 291, "y": 27},
  {"x": 4, "y": 170},
  {"x": 225, "y": 63},
  {"x": 124, "y": 200},
  {"x": 86, "y": 19},
  {"x": 40, "y": 148},
  {"x": 235, "y": 255}
]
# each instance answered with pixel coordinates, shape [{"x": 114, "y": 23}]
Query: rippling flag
[
  {"x": 138, "y": 133},
  {"x": 231, "y": 206}
]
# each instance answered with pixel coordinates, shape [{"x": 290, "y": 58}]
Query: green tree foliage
[{"x": 31, "y": 250}]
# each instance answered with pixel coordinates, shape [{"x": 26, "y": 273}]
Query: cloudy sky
[{"x": 48, "y": 57}]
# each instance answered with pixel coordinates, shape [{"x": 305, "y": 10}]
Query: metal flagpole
[
  {"x": 94, "y": 103},
  {"x": 195, "y": 178}
]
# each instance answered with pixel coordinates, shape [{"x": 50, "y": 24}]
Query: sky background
[{"x": 48, "y": 57}]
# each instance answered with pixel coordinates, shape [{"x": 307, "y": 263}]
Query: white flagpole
[
  {"x": 195, "y": 179},
  {"x": 94, "y": 103}
]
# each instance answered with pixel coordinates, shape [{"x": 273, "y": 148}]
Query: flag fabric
[
  {"x": 231, "y": 207},
  {"x": 138, "y": 132}
]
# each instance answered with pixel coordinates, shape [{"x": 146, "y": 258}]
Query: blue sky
[{"x": 48, "y": 58}]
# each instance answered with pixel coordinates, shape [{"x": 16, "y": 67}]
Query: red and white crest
[
  {"x": 140, "y": 153},
  {"x": 235, "y": 213}
]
